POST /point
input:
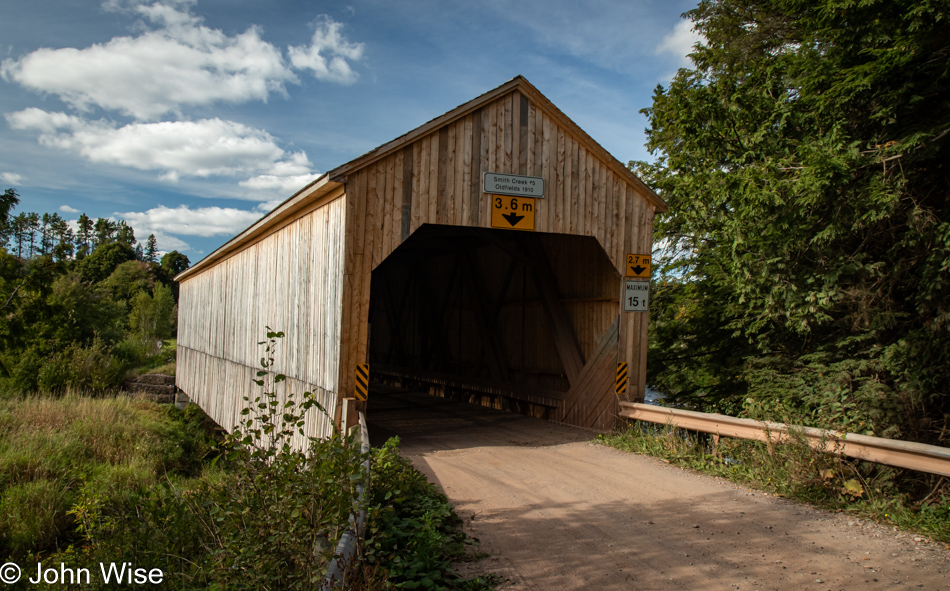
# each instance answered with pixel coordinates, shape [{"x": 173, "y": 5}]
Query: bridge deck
[{"x": 558, "y": 512}]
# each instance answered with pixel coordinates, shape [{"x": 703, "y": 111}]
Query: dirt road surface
[{"x": 556, "y": 511}]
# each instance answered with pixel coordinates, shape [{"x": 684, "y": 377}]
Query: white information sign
[
  {"x": 636, "y": 295},
  {"x": 514, "y": 185}
]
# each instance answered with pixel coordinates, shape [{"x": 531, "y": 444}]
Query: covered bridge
[{"x": 484, "y": 254}]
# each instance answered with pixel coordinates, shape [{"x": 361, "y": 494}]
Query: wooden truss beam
[{"x": 567, "y": 348}]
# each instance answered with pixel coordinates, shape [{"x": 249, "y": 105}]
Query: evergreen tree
[
  {"x": 151, "y": 249},
  {"x": 8, "y": 201},
  {"x": 19, "y": 227},
  {"x": 32, "y": 227},
  {"x": 124, "y": 233},
  {"x": 62, "y": 237},
  {"x": 104, "y": 232},
  {"x": 47, "y": 236},
  {"x": 84, "y": 236},
  {"x": 804, "y": 157}
]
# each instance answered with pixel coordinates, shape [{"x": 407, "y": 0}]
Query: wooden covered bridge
[{"x": 488, "y": 254}]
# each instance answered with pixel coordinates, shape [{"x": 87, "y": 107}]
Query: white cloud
[
  {"x": 68, "y": 209},
  {"x": 680, "y": 41},
  {"x": 203, "y": 148},
  {"x": 326, "y": 56},
  {"x": 201, "y": 221},
  {"x": 178, "y": 62},
  {"x": 285, "y": 178},
  {"x": 11, "y": 178}
]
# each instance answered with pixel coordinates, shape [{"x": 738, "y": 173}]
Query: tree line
[
  {"x": 79, "y": 308},
  {"x": 804, "y": 158}
]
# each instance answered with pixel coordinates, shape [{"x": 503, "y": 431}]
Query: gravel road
[{"x": 556, "y": 511}]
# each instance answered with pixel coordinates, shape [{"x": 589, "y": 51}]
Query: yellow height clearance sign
[
  {"x": 513, "y": 213},
  {"x": 638, "y": 266}
]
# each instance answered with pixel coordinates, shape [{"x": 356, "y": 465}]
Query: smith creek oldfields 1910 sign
[{"x": 514, "y": 185}]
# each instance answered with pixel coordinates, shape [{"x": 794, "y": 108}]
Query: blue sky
[{"x": 191, "y": 119}]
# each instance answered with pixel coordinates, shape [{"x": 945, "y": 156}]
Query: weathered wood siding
[
  {"x": 437, "y": 179},
  {"x": 290, "y": 280}
]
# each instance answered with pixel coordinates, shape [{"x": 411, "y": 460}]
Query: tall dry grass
[{"x": 51, "y": 448}]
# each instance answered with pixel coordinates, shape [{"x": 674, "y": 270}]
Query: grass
[
  {"x": 51, "y": 449},
  {"x": 167, "y": 369},
  {"x": 908, "y": 500}
]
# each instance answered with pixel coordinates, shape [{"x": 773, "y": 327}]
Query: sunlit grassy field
[{"x": 53, "y": 448}]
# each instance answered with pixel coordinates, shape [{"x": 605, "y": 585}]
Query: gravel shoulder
[{"x": 555, "y": 511}]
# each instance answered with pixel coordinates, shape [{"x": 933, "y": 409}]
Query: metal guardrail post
[{"x": 345, "y": 553}]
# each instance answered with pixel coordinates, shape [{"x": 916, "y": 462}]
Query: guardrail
[
  {"x": 902, "y": 454},
  {"x": 346, "y": 548}
]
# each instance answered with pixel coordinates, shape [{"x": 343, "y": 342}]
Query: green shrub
[
  {"x": 413, "y": 534},
  {"x": 79, "y": 368},
  {"x": 269, "y": 521}
]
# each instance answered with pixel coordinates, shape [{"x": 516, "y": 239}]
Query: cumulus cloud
[
  {"x": 326, "y": 56},
  {"x": 203, "y": 148},
  {"x": 680, "y": 41},
  {"x": 11, "y": 178},
  {"x": 184, "y": 220},
  {"x": 178, "y": 62},
  {"x": 68, "y": 209},
  {"x": 285, "y": 177}
]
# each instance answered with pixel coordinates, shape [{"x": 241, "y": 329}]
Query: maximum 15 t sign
[{"x": 636, "y": 283}]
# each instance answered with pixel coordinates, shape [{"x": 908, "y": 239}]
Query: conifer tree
[{"x": 151, "y": 249}]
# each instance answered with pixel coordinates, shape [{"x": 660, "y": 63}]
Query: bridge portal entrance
[{"x": 517, "y": 321}]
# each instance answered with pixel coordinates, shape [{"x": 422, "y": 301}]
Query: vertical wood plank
[
  {"x": 493, "y": 137},
  {"x": 588, "y": 184},
  {"x": 465, "y": 190},
  {"x": 597, "y": 227},
  {"x": 435, "y": 177},
  {"x": 443, "y": 175},
  {"x": 522, "y": 130},
  {"x": 559, "y": 184},
  {"x": 570, "y": 186},
  {"x": 417, "y": 201},
  {"x": 390, "y": 208},
  {"x": 474, "y": 209},
  {"x": 548, "y": 157},
  {"x": 378, "y": 208},
  {"x": 508, "y": 148},
  {"x": 533, "y": 140},
  {"x": 515, "y": 132},
  {"x": 485, "y": 148},
  {"x": 450, "y": 168},
  {"x": 407, "y": 180}
]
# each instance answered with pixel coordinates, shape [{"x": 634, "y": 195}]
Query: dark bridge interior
[{"x": 502, "y": 318}]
